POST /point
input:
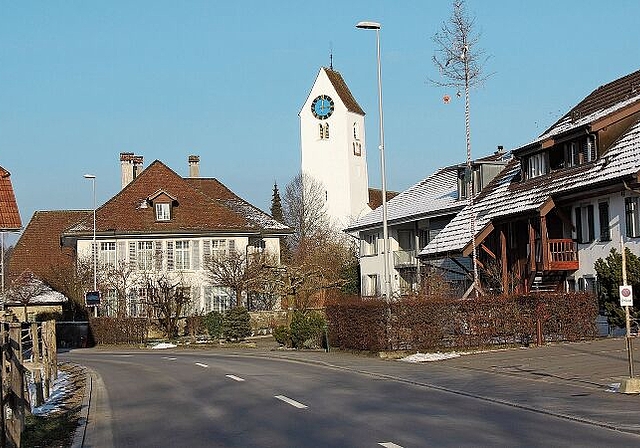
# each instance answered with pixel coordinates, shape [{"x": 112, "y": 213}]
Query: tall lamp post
[
  {"x": 385, "y": 227},
  {"x": 94, "y": 248}
]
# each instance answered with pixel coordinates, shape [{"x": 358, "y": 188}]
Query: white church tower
[{"x": 333, "y": 147}]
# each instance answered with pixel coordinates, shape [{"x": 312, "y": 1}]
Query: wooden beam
[
  {"x": 544, "y": 242},
  {"x": 488, "y": 251},
  {"x": 503, "y": 261},
  {"x": 615, "y": 117},
  {"x": 547, "y": 206},
  {"x": 466, "y": 251},
  {"x": 532, "y": 248}
]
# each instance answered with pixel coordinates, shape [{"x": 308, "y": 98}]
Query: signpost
[{"x": 628, "y": 385}]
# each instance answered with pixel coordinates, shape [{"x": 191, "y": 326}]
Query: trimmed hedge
[
  {"x": 441, "y": 323},
  {"x": 115, "y": 330}
]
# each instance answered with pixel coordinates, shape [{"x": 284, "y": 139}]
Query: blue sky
[{"x": 82, "y": 81}]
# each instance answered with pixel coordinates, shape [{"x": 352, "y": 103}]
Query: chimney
[
  {"x": 194, "y": 166},
  {"x": 130, "y": 167},
  {"x": 500, "y": 150}
]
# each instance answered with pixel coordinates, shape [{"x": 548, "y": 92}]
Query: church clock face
[{"x": 322, "y": 107}]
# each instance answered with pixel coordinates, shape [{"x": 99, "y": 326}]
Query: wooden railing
[{"x": 562, "y": 255}]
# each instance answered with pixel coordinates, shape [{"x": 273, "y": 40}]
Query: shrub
[
  {"x": 236, "y": 323},
  {"x": 282, "y": 335},
  {"x": 307, "y": 329},
  {"x": 213, "y": 324}
]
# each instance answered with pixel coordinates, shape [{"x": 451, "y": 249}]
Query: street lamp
[
  {"x": 385, "y": 227},
  {"x": 94, "y": 250}
]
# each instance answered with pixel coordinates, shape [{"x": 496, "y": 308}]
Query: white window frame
[
  {"x": 163, "y": 211},
  {"x": 145, "y": 254},
  {"x": 107, "y": 253},
  {"x": 182, "y": 255}
]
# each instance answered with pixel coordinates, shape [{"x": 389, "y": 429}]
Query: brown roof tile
[
  {"x": 343, "y": 91},
  {"x": 375, "y": 197},
  {"x": 38, "y": 248},
  {"x": 9, "y": 213},
  {"x": 200, "y": 205}
]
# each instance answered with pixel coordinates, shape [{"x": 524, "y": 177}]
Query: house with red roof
[{"x": 159, "y": 220}]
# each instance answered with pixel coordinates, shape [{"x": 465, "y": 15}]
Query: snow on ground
[
  {"x": 429, "y": 357},
  {"x": 163, "y": 345},
  {"x": 60, "y": 388}
]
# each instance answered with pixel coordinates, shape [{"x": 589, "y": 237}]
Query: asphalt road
[{"x": 216, "y": 399}]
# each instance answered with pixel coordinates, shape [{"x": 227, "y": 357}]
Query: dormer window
[
  {"x": 580, "y": 151},
  {"x": 537, "y": 165},
  {"x": 163, "y": 211}
]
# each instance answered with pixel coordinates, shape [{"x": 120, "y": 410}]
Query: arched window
[
  {"x": 321, "y": 131},
  {"x": 355, "y": 131},
  {"x": 326, "y": 131}
]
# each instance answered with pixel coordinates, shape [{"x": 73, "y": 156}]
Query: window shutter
[
  {"x": 592, "y": 231},
  {"x": 121, "y": 256},
  {"x": 579, "y": 225},
  {"x": 206, "y": 248},
  {"x": 195, "y": 255},
  {"x": 232, "y": 246},
  {"x": 132, "y": 254},
  {"x": 603, "y": 209},
  {"x": 158, "y": 255},
  {"x": 170, "y": 255}
]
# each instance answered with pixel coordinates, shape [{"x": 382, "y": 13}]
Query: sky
[{"x": 83, "y": 81}]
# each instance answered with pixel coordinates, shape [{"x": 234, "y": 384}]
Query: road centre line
[
  {"x": 235, "y": 378},
  {"x": 202, "y": 365},
  {"x": 389, "y": 445},
  {"x": 169, "y": 358},
  {"x": 290, "y": 401}
]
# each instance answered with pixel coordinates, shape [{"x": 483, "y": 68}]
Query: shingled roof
[
  {"x": 505, "y": 196},
  {"x": 199, "y": 206},
  {"x": 9, "y": 213},
  {"x": 343, "y": 91}
]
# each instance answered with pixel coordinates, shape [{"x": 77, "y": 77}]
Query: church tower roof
[{"x": 343, "y": 91}]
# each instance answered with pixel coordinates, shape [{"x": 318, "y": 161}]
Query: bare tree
[
  {"x": 305, "y": 213},
  {"x": 25, "y": 288},
  {"x": 460, "y": 63},
  {"x": 168, "y": 297},
  {"x": 119, "y": 278},
  {"x": 246, "y": 272}
]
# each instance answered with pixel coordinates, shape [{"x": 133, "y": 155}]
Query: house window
[
  {"x": 580, "y": 151},
  {"x": 355, "y": 131},
  {"x": 145, "y": 255},
  {"x": 163, "y": 212},
  {"x": 321, "y": 128},
  {"x": 603, "y": 218},
  {"x": 216, "y": 298},
  {"x": 370, "y": 245},
  {"x": 632, "y": 217},
  {"x": 182, "y": 256},
  {"x": 357, "y": 148},
  {"x": 324, "y": 131},
  {"x": 110, "y": 303},
  {"x": 537, "y": 165},
  {"x": 585, "y": 230},
  {"x": 108, "y": 253},
  {"x": 371, "y": 285}
]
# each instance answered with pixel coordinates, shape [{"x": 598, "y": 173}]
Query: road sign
[
  {"x": 626, "y": 295},
  {"x": 92, "y": 298}
]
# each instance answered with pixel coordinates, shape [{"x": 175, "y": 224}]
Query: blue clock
[{"x": 322, "y": 107}]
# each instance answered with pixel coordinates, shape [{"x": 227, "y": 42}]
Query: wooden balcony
[{"x": 562, "y": 255}]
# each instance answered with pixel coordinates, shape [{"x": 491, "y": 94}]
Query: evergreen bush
[
  {"x": 236, "y": 324},
  {"x": 282, "y": 335},
  {"x": 213, "y": 324},
  {"x": 307, "y": 329}
]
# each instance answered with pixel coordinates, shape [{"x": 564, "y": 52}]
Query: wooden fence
[{"x": 28, "y": 356}]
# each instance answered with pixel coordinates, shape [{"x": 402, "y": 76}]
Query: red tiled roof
[
  {"x": 375, "y": 197},
  {"x": 200, "y": 205},
  {"x": 38, "y": 248},
  {"x": 9, "y": 213}
]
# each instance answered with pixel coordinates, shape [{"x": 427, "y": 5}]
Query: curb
[{"x": 81, "y": 430}]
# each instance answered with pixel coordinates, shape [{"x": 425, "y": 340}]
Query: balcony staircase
[{"x": 547, "y": 282}]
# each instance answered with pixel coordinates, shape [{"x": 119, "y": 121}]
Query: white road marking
[
  {"x": 389, "y": 445},
  {"x": 202, "y": 365},
  {"x": 169, "y": 358},
  {"x": 293, "y": 403},
  {"x": 123, "y": 356},
  {"x": 235, "y": 378}
]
